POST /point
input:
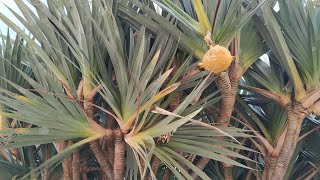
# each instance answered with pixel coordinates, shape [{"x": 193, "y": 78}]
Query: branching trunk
[
  {"x": 296, "y": 114},
  {"x": 272, "y": 165},
  {"x": 95, "y": 145},
  {"x": 101, "y": 158},
  {"x": 76, "y": 165},
  {"x": 268, "y": 167},
  {"x": 119, "y": 156}
]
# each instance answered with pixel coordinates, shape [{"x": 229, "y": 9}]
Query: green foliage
[{"x": 136, "y": 67}]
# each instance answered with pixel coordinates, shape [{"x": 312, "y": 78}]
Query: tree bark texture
[
  {"x": 76, "y": 164},
  {"x": 119, "y": 156},
  {"x": 227, "y": 173},
  {"x": 66, "y": 164},
  {"x": 167, "y": 174},
  {"x": 229, "y": 89},
  {"x": 110, "y": 148},
  {"x": 154, "y": 167},
  {"x": 110, "y": 139},
  {"x": 95, "y": 145},
  {"x": 268, "y": 167},
  {"x": 296, "y": 114},
  {"x": 101, "y": 158}
]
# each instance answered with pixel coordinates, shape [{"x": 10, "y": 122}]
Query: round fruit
[{"x": 217, "y": 59}]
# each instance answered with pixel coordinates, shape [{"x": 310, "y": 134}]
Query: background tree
[{"x": 98, "y": 83}]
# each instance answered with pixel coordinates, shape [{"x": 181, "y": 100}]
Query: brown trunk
[
  {"x": 268, "y": 167},
  {"x": 70, "y": 159},
  {"x": 154, "y": 167},
  {"x": 167, "y": 174},
  {"x": 201, "y": 164},
  {"x": 119, "y": 155},
  {"x": 229, "y": 91},
  {"x": 227, "y": 172},
  {"x": 76, "y": 165},
  {"x": 65, "y": 167},
  {"x": 84, "y": 176},
  {"x": 101, "y": 158},
  {"x": 272, "y": 165},
  {"x": 65, "y": 164},
  {"x": 104, "y": 176},
  {"x": 296, "y": 114},
  {"x": 84, "y": 167},
  {"x": 183, "y": 165},
  {"x": 110, "y": 148},
  {"x": 47, "y": 155},
  {"x": 109, "y": 140},
  {"x": 95, "y": 145}
]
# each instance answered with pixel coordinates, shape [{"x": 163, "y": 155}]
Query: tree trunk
[
  {"x": 154, "y": 167},
  {"x": 110, "y": 148},
  {"x": 166, "y": 174},
  {"x": 65, "y": 164},
  {"x": 65, "y": 167},
  {"x": 84, "y": 176},
  {"x": 76, "y": 164},
  {"x": 201, "y": 164},
  {"x": 109, "y": 139},
  {"x": 95, "y": 145},
  {"x": 84, "y": 168},
  {"x": 268, "y": 167},
  {"x": 119, "y": 156},
  {"x": 229, "y": 91},
  {"x": 227, "y": 172},
  {"x": 70, "y": 159},
  {"x": 296, "y": 114},
  {"x": 101, "y": 158},
  {"x": 47, "y": 155}
]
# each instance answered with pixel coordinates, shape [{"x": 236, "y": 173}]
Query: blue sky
[{"x": 4, "y": 10}]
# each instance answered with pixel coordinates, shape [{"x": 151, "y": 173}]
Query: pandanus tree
[
  {"x": 93, "y": 97},
  {"x": 160, "y": 89},
  {"x": 295, "y": 47},
  {"x": 292, "y": 39},
  {"x": 12, "y": 54},
  {"x": 208, "y": 29}
]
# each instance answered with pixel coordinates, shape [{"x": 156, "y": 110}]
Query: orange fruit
[{"x": 217, "y": 59}]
